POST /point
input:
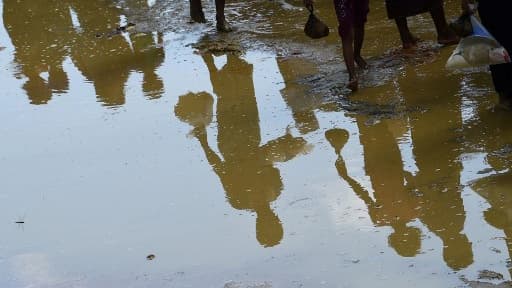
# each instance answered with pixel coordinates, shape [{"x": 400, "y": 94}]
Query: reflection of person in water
[
  {"x": 108, "y": 61},
  {"x": 301, "y": 104},
  {"x": 436, "y": 151},
  {"x": 393, "y": 205},
  {"x": 495, "y": 189},
  {"x": 40, "y": 32},
  {"x": 246, "y": 168}
]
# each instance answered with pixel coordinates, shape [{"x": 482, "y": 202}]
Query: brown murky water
[{"x": 135, "y": 161}]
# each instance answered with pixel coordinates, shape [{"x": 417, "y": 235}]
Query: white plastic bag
[{"x": 478, "y": 49}]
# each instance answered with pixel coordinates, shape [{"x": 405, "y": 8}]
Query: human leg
[
  {"x": 222, "y": 24},
  {"x": 445, "y": 35},
  {"x": 347, "y": 42},
  {"x": 361, "y": 11},
  {"x": 408, "y": 39},
  {"x": 494, "y": 15},
  {"x": 196, "y": 11},
  {"x": 345, "y": 15}
]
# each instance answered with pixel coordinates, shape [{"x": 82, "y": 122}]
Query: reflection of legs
[
  {"x": 196, "y": 11},
  {"x": 408, "y": 40},
  {"x": 222, "y": 24},
  {"x": 445, "y": 35}
]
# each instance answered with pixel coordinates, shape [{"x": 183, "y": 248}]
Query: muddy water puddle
[{"x": 172, "y": 156}]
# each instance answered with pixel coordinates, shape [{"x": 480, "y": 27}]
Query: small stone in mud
[
  {"x": 489, "y": 275},
  {"x": 150, "y": 257},
  {"x": 2, "y": 48}
]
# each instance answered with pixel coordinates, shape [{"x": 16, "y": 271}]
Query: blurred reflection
[
  {"x": 433, "y": 195},
  {"x": 40, "y": 32},
  {"x": 496, "y": 190},
  {"x": 108, "y": 61},
  {"x": 301, "y": 103},
  {"x": 246, "y": 168},
  {"x": 43, "y": 36},
  {"x": 393, "y": 206},
  {"x": 436, "y": 149}
]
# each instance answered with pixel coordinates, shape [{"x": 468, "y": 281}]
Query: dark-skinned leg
[
  {"x": 222, "y": 24},
  {"x": 347, "y": 42},
  {"x": 445, "y": 35},
  {"x": 408, "y": 40},
  {"x": 196, "y": 11},
  {"x": 358, "y": 45}
]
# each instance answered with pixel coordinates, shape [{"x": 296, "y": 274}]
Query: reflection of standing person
[
  {"x": 40, "y": 32},
  {"x": 301, "y": 104},
  {"x": 436, "y": 151},
  {"x": 108, "y": 61},
  {"x": 393, "y": 206},
  {"x": 246, "y": 170},
  {"x": 399, "y": 10},
  {"x": 495, "y": 17},
  {"x": 495, "y": 190},
  {"x": 352, "y": 15}
]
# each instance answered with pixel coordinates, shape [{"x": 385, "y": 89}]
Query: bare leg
[
  {"x": 445, "y": 35},
  {"x": 358, "y": 45},
  {"x": 348, "y": 54},
  {"x": 408, "y": 40},
  {"x": 196, "y": 11},
  {"x": 222, "y": 24}
]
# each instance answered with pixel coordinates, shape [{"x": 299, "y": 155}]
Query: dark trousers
[{"x": 496, "y": 17}]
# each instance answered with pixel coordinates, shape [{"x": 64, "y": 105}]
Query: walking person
[
  {"x": 399, "y": 10},
  {"x": 494, "y": 15},
  {"x": 351, "y": 15}
]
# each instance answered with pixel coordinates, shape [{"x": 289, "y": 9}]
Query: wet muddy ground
[{"x": 173, "y": 156}]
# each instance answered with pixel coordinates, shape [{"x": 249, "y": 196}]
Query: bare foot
[
  {"x": 448, "y": 38},
  {"x": 411, "y": 41},
  {"x": 361, "y": 62},
  {"x": 198, "y": 16},
  {"x": 223, "y": 26},
  {"x": 353, "y": 84}
]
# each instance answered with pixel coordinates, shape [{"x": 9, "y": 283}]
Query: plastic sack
[
  {"x": 478, "y": 49},
  {"x": 315, "y": 28}
]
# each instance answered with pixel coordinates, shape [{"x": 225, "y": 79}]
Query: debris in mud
[
  {"x": 489, "y": 275},
  {"x": 217, "y": 47},
  {"x": 150, "y": 257},
  {"x": 2, "y": 48},
  {"x": 119, "y": 30}
]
